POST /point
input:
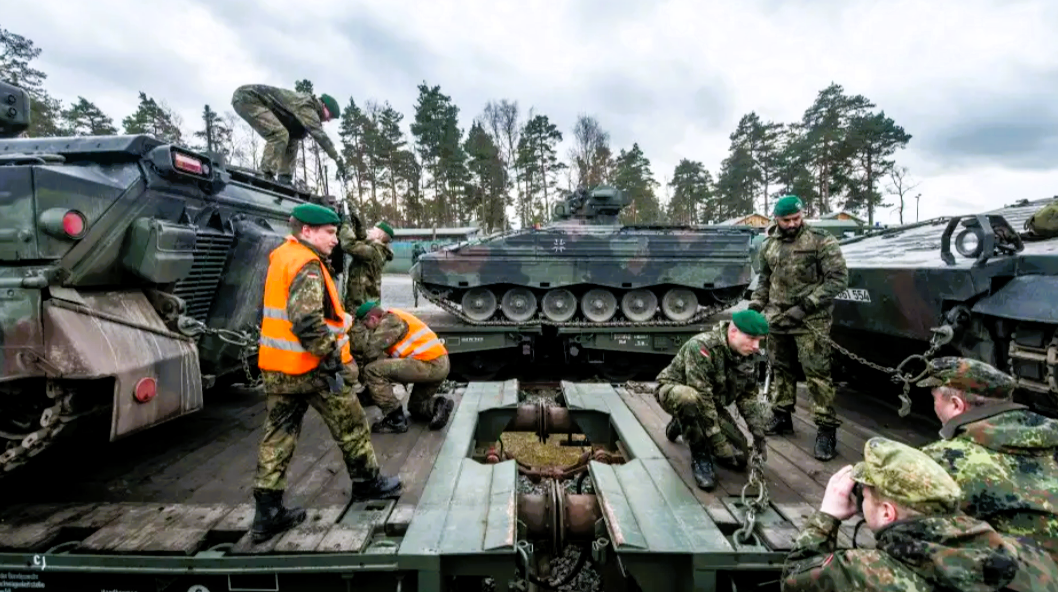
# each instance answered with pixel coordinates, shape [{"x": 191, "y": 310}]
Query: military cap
[
  {"x": 363, "y": 309},
  {"x": 904, "y": 474},
  {"x": 970, "y": 376},
  {"x": 331, "y": 105},
  {"x": 315, "y": 215},
  {"x": 385, "y": 228},
  {"x": 787, "y": 205},
  {"x": 750, "y": 322}
]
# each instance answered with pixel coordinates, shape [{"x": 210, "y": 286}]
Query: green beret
[
  {"x": 331, "y": 105},
  {"x": 365, "y": 308},
  {"x": 386, "y": 228},
  {"x": 750, "y": 322},
  {"x": 787, "y": 205},
  {"x": 905, "y": 474},
  {"x": 315, "y": 215}
]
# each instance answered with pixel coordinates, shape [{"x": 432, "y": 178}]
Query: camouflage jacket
[
  {"x": 708, "y": 365},
  {"x": 364, "y": 280},
  {"x": 307, "y": 305},
  {"x": 298, "y": 112},
  {"x": 807, "y": 270},
  {"x": 925, "y": 553},
  {"x": 371, "y": 345},
  {"x": 1005, "y": 458}
]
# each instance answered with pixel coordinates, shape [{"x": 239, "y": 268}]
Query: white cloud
[{"x": 674, "y": 76}]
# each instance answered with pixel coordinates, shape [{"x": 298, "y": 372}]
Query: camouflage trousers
[
  {"x": 346, "y": 420},
  {"x": 280, "y": 150},
  {"x": 425, "y": 379},
  {"x": 703, "y": 425},
  {"x": 813, "y": 355},
  {"x": 359, "y": 290}
]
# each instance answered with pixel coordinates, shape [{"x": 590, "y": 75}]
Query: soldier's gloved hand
[
  {"x": 332, "y": 362},
  {"x": 795, "y": 313},
  {"x": 755, "y": 305}
]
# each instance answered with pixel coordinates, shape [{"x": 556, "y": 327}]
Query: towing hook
[{"x": 942, "y": 335}]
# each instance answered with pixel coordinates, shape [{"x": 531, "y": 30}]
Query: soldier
[
  {"x": 801, "y": 271},
  {"x": 923, "y": 541},
  {"x": 416, "y": 252},
  {"x": 283, "y": 118},
  {"x": 305, "y": 360},
  {"x": 713, "y": 370},
  {"x": 1004, "y": 456},
  {"x": 369, "y": 251},
  {"x": 401, "y": 348}
]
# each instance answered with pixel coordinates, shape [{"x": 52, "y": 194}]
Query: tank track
[
  {"x": 54, "y": 422},
  {"x": 703, "y": 314}
]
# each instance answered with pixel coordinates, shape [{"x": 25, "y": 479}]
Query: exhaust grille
[{"x": 200, "y": 286}]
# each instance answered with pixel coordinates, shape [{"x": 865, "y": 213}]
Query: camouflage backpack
[{"x": 1044, "y": 223}]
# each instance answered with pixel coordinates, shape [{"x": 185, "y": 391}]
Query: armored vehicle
[
  {"x": 586, "y": 269},
  {"x": 131, "y": 274},
  {"x": 970, "y": 285}
]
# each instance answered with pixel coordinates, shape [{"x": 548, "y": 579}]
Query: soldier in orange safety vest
[
  {"x": 400, "y": 348},
  {"x": 305, "y": 359}
]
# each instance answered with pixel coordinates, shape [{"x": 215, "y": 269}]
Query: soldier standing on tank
[
  {"x": 802, "y": 270},
  {"x": 400, "y": 348},
  {"x": 711, "y": 371},
  {"x": 369, "y": 253},
  {"x": 1004, "y": 456},
  {"x": 283, "y": 118},
  {"x": 923, "y": 542},
  {"x": 304, "y": 357}
]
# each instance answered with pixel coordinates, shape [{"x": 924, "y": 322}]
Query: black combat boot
[
  {"x": 442, "y": 410},
  {"x": 395, "y": 422},
  {"x": 673, "y": 431},
  {"x": 702, "y": 467},
  {"x": 379, "y": 488},
  {"x": 781, "y": 423},
  {"x": 272, "y": 518},
  {"x": 826, "y": 441},
  {"x": 285, "y": 180}
]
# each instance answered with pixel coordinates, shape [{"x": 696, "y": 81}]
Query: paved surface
[{"x": 396, "y": 292}]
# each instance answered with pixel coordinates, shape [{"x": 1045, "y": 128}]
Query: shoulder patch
[{"x": 703, "y": 351}]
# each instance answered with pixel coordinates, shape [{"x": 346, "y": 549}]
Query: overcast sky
[{"x": 974, "y": 81}]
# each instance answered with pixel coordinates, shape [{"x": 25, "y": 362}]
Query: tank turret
[{"x": 585, "y": 268}]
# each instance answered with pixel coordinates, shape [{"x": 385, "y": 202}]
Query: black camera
[{"x": 857, "y": 494}]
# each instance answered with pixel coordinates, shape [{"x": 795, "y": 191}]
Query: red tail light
[
  {"x": 189, "y": 164},
  {"x": 145, "y": 390},
  {"x": 73, "y": 224}
]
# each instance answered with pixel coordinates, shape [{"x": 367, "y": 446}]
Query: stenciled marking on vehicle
[{"x": 854, "y": 295}]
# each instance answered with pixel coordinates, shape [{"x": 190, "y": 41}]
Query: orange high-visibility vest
[
  {"x": 279, "y": 348},
  {"x": 420, "y": 342}
]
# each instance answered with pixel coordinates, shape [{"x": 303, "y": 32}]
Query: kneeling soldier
[
  {"x": 305, "y": 360},
  {"x": 713, "y": 370},
  {"x": 399, "y": 348}
]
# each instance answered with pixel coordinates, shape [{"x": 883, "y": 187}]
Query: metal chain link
[
  {"x": 246, "y": 340},
  {"x": 941, "y": 336},
  {"x": 756, "y": 505}
]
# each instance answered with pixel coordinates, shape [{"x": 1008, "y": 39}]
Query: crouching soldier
[
  {"x": 399, "y": 348},
  {"x": 305, "y": 360},
  {"x": 924, "y": 543},
  {"x": 713, "y": 370}
]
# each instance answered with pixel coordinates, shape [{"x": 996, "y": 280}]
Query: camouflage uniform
[
  {"x": 289, "y": 396},
  {"x": 1004, "y": 456},
  {"x": 283, "y": 118},
  {"x": 937, "y": 549},
  {"x": 364, "y": 281},
  {"x": 381, "y": 372},
  {"x": 804, "y": 271},
  {"x": 705, "y": 377}
]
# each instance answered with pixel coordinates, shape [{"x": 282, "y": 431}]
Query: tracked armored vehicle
[
  {"x": 585, "y": 269},
  {"x": 972, "y": 285},
  {"x": 131, "y": 274}
]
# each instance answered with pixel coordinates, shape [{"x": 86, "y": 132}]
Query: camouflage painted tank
[
  {"x": 132, "y": 274},
  {"x": 586, "y": 269},
  {"x": 980, "y": 286}
]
